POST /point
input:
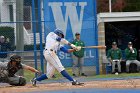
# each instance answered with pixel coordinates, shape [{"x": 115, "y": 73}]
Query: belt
[{"x": 51, "y": 50}]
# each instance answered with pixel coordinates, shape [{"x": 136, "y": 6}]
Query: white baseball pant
[{"x": 53, "y": 62}]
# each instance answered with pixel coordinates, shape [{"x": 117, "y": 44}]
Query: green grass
[
  {"x": 122, "y": 75},
  {"x": 29, "y": 75}
]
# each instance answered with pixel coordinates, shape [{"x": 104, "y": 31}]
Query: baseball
[{"x": 116, "y": 73}]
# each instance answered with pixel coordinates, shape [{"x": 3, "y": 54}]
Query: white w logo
[{"x": 71, "y": 13}]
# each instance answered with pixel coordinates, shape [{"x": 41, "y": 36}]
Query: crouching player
[{"x": 8, "y": 71}]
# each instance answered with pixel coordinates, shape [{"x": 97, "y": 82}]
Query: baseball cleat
[
  {"x": 33, "y": 81},
  {"x": 77, "y": 83}
]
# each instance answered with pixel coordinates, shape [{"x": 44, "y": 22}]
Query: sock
[
  {"x": 42, "y": 77},
  {"x": 66, "y": 75}
]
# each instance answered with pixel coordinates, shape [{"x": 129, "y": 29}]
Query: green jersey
[
  {"x": 79, "y": 43},
  {"x": 114, "y": 53},
  {"x": 130, "y": 55}
]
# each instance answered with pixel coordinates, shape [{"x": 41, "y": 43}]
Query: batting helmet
[
  {"x": 15, "y": 58},
  {"x": 59, "y": 33}
]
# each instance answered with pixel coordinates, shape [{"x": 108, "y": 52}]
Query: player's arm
[
  {"x": 30, "y": 68},
  {"x": 109, "y": 55},
  {"x": 58, "y": 38},
  {"x": 62, "y": 40},
  {"x": 135, "y": 51},
  {"x": 127, "y": 53},
  {"x": 65, "y": 50},
  {"x": 120, "y": 54}
]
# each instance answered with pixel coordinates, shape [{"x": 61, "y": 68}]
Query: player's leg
[
  {"x": 127, "y": 65},
  {"x": 17, "y": 81},
  {"x": 52, "y": 59},
  {"x": 55, "y": 61},
  {"x": 43, "y": 76},
  {"x": 50, "y": 72},
  {"x": 74, "y": 65},
  {"x": 113, "y": 66},
  {"x": 137, "y": 63},
  {"x": 81, "y": 64},
  {"x": 119, "y": 66}
]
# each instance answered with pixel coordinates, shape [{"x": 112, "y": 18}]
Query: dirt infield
[{"x": 130, "y": 83}]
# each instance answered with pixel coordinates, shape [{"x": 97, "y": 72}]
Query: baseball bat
[{"x": 99, "y": 47}]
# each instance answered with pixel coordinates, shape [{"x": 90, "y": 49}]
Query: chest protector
[{"x": 12, "y": 70}]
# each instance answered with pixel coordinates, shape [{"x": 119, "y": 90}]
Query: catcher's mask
[
  {"x": 14, "y": 65},
  {"x": 15, "y": 58},
  {"x": 59, "y": 33}
]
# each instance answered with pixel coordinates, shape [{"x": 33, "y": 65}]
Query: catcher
[{"x": 8, "y": 70}]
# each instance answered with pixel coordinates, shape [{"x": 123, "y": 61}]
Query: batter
[{"x": 55, "y": 41}]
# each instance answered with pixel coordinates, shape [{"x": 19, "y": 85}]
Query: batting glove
[
  {"x": 73, "y": 46},
  {"x": 38, "y": 73},
  {"x": 78, "y": 48}
]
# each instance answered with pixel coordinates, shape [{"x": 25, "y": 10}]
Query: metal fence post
[{"x": 19, "y": 29}]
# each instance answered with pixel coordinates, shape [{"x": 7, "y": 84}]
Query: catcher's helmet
[
  {"x": 15, "y": 58},
  {"x": 59, "y": 33}
]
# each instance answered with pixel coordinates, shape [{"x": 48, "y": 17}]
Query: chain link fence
[{"x": 16, "y": 31}]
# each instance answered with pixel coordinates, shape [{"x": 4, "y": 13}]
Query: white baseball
[{"x": 116, "y": 73}]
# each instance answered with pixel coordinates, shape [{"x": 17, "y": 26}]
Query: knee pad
[{"x": 22, "y": 81}]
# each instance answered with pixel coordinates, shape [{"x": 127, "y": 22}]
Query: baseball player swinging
[{"x": 55, "y": 41}]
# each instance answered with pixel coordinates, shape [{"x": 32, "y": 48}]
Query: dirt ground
[{"x": 130, "y": 83}]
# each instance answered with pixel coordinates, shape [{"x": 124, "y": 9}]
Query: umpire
[{"x": 8, "y": 70}]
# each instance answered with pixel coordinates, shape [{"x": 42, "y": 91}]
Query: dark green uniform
[
  {"x": 130, "y": 55},
  {"x": 81, "y": 52},
  {"x": 78, "y": 58},
  {"x": 114, "y": 54}
]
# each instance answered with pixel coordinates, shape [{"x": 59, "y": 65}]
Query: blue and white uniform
[{"x": 53, "y": 44}]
